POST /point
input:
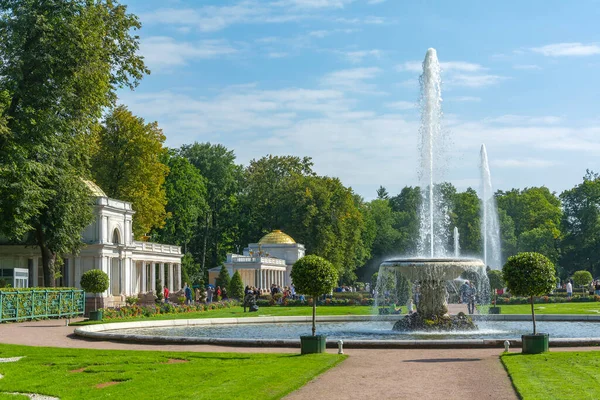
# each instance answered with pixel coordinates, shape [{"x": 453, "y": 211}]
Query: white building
[
  {"x": 264, "y": 263},
  {"x": 133, "y": 267}
]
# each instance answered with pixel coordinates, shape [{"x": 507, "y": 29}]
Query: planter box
[
  {"x": 535, "y": 344},
  {"x": 96, "y": 315},
  {"x": 494, "y": 310},
  {"x": 312, "y": 344}
]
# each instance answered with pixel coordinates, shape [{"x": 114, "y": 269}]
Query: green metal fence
[{"x": 17, "y": 305}]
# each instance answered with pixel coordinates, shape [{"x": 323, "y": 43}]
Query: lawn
[
  {"x": 100, "y": 374},
  {"x": 238, "y": 312},
  {"x": 557, "y": 375},
  {"x": 553, "y": 308}
]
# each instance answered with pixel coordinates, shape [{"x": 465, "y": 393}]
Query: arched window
[{"x": 116, "y": 237}]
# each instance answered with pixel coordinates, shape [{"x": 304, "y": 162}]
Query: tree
[
  {"x": 382, "y": 193},
  {"x": 223, "y": 279},
  {"x": 218, "y": 226},
  {"x": 185, "y": 189},
  {"x": 127, "y": 166},
  {"x": 314, "y": 275},
  {"x": 582, "y": 279},
  {"x": 496, "y": 281},
  {"x": 529, "y": 274},
  {"x": 466, "y": 210},
  {"x": 62, "y": 62},
  {"x": 236, "y": 286},
  {"x": 94, "y": 281}
]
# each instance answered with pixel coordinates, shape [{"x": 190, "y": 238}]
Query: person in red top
[
  {"x": 218, "y": 292},
  {"x": 166, "y": 294}
]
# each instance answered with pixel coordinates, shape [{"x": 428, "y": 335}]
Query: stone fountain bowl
[{"x": 439, "y": 269}]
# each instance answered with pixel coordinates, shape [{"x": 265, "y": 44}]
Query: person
[
  {"x": 569, "y": 290},
  {"x": 464, "y": 288},
  {"x": 471, "y": 295},
  {"x": 209, "y": 294},
  {"x": 188, "y": 294},
  {"x": 597, "y": 287},
  {"x": 293, "y": 291},
  {"x": 166, "y": 294},
  {"x": 197, "y": 292},
  {"x": 224, "y": 293},
  {"x": 409, "y": 307},
  {"x": 417, "y": 295},
  {"x": 218, "y": 292}
]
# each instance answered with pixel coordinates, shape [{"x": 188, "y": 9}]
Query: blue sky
[{"x": 337, "y": 80}]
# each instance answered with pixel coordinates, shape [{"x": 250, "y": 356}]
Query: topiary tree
[
  {"x": 223, "y": 279},
  {"x": 94, "y": 281},
  {"x": 236, "y": 286},
  {"x": 314, "y": 275},
  {"x": 582, "y": 278},
  {"x": 496, "y": 281},
  {"x": 529, "y": 274}
]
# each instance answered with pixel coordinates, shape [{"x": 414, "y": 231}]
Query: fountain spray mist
[
  {"x": 456, "y": 243},
  {"x": 433, "y": 230},
  {"x": 490, "y": 227}
]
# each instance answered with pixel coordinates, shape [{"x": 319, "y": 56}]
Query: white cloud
[
  {"x": 464, "y": 99},
  {"x": 312, "y": 4},
  {"x": 163, "y": 51},
  {"x": 568, "y": 49},
  {"x": 358, "y": 56},
  {"x": 511, "y": 119},
  {"x": 523, "y": 163},
  {"x": 353, "y": 80},
  {"x": 527, "y": 66},
  {"x": 474, "y": 81},
  {"x": 402, "y": 105}
]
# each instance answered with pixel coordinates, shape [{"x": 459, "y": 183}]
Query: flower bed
[
  {"x": 135, "y": 310},
  {"x": 546, "y": 299}
]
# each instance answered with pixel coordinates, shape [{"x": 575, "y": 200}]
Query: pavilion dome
[
  {"x": 95, "y": 189},
  {"x": 276, "y": 237}
]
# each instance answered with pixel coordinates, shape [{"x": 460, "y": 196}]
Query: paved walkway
[{"x": 367, "y": 374}]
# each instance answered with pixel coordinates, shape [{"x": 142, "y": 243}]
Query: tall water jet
[
  {"x": 433, "y": 216},
  {"x": 456, "y": 243},
  {"x": 490, "y": 227}
]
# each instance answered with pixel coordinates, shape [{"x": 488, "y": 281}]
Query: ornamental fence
[{"x": 24, "y": 304}]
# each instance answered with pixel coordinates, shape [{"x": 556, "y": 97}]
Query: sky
[{"x": 338, "y": 81}]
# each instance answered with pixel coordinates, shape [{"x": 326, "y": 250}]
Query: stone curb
[{"x": 109, "y": 331}]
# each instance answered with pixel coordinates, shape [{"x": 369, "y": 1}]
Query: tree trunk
[
  {"x": 48, "y": 259},
  {"x": 533, "y": 315},
  {"x": 314, "y": 319}
]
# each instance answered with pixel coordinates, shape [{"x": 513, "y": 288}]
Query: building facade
[
  {"x": 133, "y": 267},
  {"x": 262, "y": 264}
]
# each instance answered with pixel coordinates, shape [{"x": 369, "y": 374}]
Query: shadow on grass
[{"x": 443, "y": 360}]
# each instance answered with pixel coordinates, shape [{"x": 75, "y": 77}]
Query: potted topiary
[
  {"x": 95, "y": 281},
  {"x": 530, "y": 274},
  {"x": 314, "y": 276},
  {"x": 496, "y": 283}
]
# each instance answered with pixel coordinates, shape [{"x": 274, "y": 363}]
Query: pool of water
[{"x": 373, "y": 330}]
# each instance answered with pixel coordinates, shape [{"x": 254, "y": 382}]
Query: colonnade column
[
  {"x": 144, "y": 278},
  {"x": 153, "y": 276},
  {"x": 171, "y": 277},
  {"x": 179, "y": 283},
  {"x": 162, "y": 274}
]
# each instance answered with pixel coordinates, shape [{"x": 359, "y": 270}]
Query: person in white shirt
[{"x": 569, "y": 290}]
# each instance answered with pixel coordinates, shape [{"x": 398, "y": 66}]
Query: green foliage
[
  {"x": 314, "y": 275},
  {"x": 529, "y": 274},
  {"x": 236, "y": 286},
  {"x": 94, "y": 281},
  {"x": 495, "y": 278},
  {"x": 582, "y": 278},
  {"x": 127, "y": 166},
  {"x": 223, "y": 279},
  {"x": 466, "y": 211}
]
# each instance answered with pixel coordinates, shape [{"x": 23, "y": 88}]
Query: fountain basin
[
  {"x": 439, "y": 269},
  {"x": 356, "y": 331}
]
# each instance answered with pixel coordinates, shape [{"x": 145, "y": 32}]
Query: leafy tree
[
  {"x": 495, "y": 278},
  {"x": 466, "y": 217},
  {"x": 185, "y": 189},
  {"x": 94, "y": 281},
  {"x": 382, "y": 193},
  {"x": 218, "y": 226},
  {"x": 529, "y": 274},
  {"x": 236, "y": 286},
  {"x": 314, "y": 275},
  {"x": 223, "y": 279},
  {"x": 407, "y": 205},
  {"x": 581, "y": 226},
  {"x": 127, "y": 166},
  {"x": 582, "y": 279},
  {"x": 507, "y": 234},
  {"x": 62, "y": 62}
]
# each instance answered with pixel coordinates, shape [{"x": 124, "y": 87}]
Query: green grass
[
  {"x": 148, "y": 375},
  {"x": 238, "y": 312},
  {"x": 553, "y": 308},
  {"x": 560, "y": 375}
]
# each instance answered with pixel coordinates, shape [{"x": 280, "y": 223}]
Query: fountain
[
  {"x": 456, "y": 243},
  {"x": 432, "y": 269},
  {"x": 490, "y": 227}
]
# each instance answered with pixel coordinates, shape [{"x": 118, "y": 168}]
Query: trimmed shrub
[
  {"x": 94, "y": 281},
  {"x": 236, "y": 286}
]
